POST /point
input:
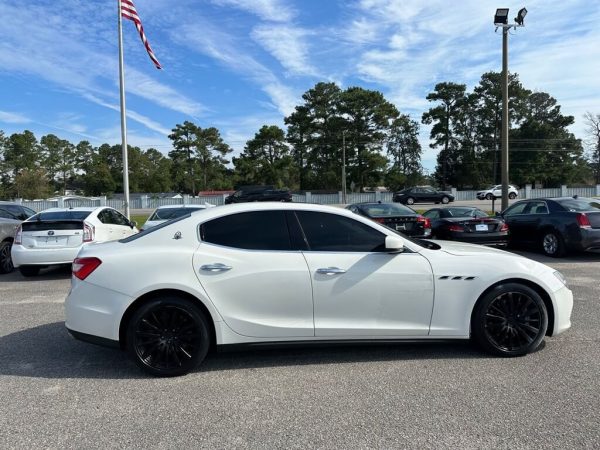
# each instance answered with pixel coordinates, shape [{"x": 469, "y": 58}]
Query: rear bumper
[
  {"x": 23, "y": 256},
  {"x": 475, "y": 238},
  {"x": 590, "y": 239}
]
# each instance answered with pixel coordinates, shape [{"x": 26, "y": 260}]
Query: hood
[{"x": 463, "y": 249}]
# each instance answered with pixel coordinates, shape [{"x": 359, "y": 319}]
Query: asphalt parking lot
[{"x": 60, "y": 393}]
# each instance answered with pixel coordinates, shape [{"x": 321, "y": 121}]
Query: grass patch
[{"x": 140, "y": 219}]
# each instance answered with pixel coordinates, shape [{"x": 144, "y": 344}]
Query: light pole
[
  {"x": 344, "y": 167},
  {"x": 501, "y": 21}
]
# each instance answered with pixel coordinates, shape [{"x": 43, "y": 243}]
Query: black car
[
  {"x": 259, "y": 194},
  {"x": 467, "y": 224},
  {"x": 555, "y": 225},
  {"x": 425, "y": 194},
  {"x": 398, "y": 217}
]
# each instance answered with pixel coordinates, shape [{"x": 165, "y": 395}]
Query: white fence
[{"x": 146, "y": 202}]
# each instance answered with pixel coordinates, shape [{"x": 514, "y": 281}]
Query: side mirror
[
  {"x": 498, "y": 214},
  {"x": 394, "y": 244},
  {"x": 132, "y": 224}
]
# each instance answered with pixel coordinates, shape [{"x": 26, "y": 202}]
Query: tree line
[{"x": 379, "y": 145}]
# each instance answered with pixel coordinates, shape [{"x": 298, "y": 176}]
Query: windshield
[
  {"x": 386, "y": 209},
  {"x": 580, "y": 204},
  {"x": 61, "y": 215},
  {"x": 171, "y": 213}
]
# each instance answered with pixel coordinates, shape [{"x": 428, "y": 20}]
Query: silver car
[{"x": 11, "y": 215}]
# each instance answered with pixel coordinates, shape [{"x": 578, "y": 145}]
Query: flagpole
[{"x": 123, "y": 117}]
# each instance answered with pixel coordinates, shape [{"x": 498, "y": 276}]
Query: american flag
[{"x": 128, "y": 12}]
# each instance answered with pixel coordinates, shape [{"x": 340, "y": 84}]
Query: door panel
[
  {"x": 263, "y": 294},
  {"x": 372, "y": 294}
]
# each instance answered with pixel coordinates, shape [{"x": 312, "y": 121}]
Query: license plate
[{"x": 481, "y": 227}]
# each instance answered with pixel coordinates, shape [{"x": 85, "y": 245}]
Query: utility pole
[
  {"x": 501, "y": 21},
  {"x": 344, "y": 167}
]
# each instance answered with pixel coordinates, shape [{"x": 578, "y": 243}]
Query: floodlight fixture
[
  {"x": 521, "y": 16},
  {"x": 501, "y": 17}
]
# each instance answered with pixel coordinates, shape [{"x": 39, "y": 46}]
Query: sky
[{"x": 240, "y": 64}]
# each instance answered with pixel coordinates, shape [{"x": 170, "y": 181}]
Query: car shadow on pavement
[
  {"x": 48, "y": 351},
  {"x": 46, "y": 274}
]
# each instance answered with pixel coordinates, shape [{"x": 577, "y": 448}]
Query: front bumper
[
  {"x": 563, "y": 306},
  {"x": 23, "y": 256}
]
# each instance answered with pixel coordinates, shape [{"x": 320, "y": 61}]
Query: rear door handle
[
  {"x": 331, "y": 271},
  {"x": 217, "y": 267}
]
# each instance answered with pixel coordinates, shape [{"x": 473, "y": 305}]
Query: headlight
[{"x": 561, "y": 277}]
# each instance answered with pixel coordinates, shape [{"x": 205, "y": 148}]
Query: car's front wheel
[
  {"x": 445, "y": 200},
  {"x": 6, "y": 264},
  {"x": 410, "y": 201},
  {"x": 512, "y": 195},
  {"x": 510, "y": 320},
  {"x": 489, "y": 196},
  {"x": 168, "y": 336}
]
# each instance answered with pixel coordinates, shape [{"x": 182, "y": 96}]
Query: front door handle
[
  {"x": 331, "y": 271},
  {"x": 217, "y": 267}
]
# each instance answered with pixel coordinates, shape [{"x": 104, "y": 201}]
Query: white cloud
[
  {"x": 272, "y": 10},
  {"x": 12, "y": 117}
]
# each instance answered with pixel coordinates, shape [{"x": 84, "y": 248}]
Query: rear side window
[
  {"x": 333, "y": 233},
  {"x": 257, "y": 230}
]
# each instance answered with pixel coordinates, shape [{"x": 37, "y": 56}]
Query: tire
[
  {"x": 168, "y": 336},
  {"x": 410, "y": 201},
  {"x": 510, "y": 320},
  {"x": 445, "y": 200},
  {"x": 6, "y": 264},
  {"x": 489, "y": 196},
  {"x": 512, "y": 195},
  {"x": 553, "y": 244},
  {"x": 29, "y": 271}
]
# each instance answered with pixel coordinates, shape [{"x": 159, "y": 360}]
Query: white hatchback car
[
  {"x": 170, "y": 212},
  {"x": 260, "y": 273},
  {"x": 55, "y": 235}
]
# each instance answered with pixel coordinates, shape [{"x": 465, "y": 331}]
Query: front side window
[
  {"x": 257, "y": 230},
  {"x": 333, "y": 233},
  {"x": 517, "y": 208}
]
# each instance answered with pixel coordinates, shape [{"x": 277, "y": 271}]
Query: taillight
[
  {"x": 379, "y": 219},
  {"x": 425, "y": 221},
  {"x": 88, "y": 232},
  {"x": 504, "y": 227},
  {"x": 18, "y": 235},
  {"x": 583, "y": 221},
  {"x": 457, "y": 228},
  {"x": 82, "y": 267}
]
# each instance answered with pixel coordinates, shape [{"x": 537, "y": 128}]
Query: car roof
[{"x": 78, "y": 208}]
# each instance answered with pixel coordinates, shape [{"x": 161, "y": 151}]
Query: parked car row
[{"x": 553, "y": 225}]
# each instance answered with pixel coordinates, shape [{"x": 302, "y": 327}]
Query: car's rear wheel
[
  {"x": 29, "y": 271},
  {"x": 6, "y": 264},
  {"x": 445, "y": 200},
  {"x": 489, "y": 196},
  {"x": 168, "y": 336},
  {"x": 512, "y": 195},
  {"x": 410, "y": 201},
  {"x": 553, "y": 244},
  {"x": 510, "y": 320}
]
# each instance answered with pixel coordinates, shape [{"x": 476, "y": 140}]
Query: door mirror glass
[{"x": 394, "y": 244}]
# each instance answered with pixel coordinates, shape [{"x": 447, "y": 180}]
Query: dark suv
[{"x": 259, "y": 194}]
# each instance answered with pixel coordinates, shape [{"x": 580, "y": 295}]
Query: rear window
[
  {"x": 579, "y": 204},
  {"x": 464, "y": 212},
  {"x": 61, "y": 215},
  {"x": 171, "y": 213},
  {"x": 386, "y": 209}
]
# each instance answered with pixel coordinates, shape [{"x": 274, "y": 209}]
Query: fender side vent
[
  {"x": 457, "y": 278},
  {"x": 469, "y": 278},
  {"x": 445, "y": 277}
]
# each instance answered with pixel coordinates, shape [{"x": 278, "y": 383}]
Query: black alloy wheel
[
  {"x": 168, "y": 336},
  {"x": 553, "y": 244},
  {"x": 410, "y": 201},
  {"x": 445, "y": 200},
  {"x": 511, "y": 320},
  {"x": 29, "y": 271},
  {"x": 6, "y": 264}
]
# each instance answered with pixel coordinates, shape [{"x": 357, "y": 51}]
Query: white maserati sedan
[{"x": 268, "y": 273}]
